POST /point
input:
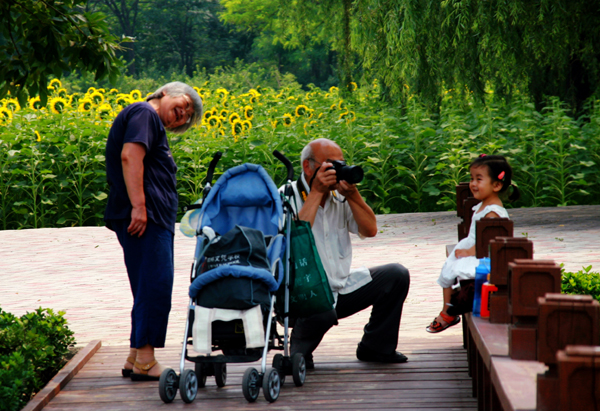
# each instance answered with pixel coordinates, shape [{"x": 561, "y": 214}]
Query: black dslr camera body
[{"x": 350, "y": 174}]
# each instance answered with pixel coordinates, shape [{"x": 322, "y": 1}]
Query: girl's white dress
[{"x": 464, "y": 268}]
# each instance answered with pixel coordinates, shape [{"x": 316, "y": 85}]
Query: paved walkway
[{"x": 80, "y": 270}]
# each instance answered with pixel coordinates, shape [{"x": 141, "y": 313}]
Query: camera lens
[{"x": 351, "y": 174}]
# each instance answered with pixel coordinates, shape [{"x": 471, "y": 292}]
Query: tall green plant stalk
[{"x": 563, "y": 158}]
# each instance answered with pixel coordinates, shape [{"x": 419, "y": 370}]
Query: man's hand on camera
[
  {"x": 346, "y": 189},
  {"x": 325, "y": 179}
]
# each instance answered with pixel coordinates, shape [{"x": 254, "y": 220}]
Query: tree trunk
[{"x": 346, "y": 52}]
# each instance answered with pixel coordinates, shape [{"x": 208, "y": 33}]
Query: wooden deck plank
[{"x": 436, "y": 369}]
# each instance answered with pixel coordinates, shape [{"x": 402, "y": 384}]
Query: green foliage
[
  {"x": 583, "y": 282},
  {"x": 413, "y": 158},
  {"x": 32, "y": 349},
  {"x": 39, "y": 39},
  {"x": 542, "y": 48}
]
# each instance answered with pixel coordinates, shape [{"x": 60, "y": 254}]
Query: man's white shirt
[{"x": 332, "y": 227}]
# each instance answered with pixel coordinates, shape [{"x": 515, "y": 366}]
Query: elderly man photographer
[{"x": 335, "y": 209}]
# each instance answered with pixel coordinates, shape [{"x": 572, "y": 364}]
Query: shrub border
[{"x": 60, "y": 380}]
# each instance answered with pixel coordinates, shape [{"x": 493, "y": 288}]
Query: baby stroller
[{"x": 237, "y": 269}]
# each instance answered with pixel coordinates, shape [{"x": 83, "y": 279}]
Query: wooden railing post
[
  {"x": 579, "y": 374},
  {"x": 487, "y": 230},
  {"x": 563, "y": 320},
  {"x": 504, "y": 250},
  {"x": 528, "y": 280}
]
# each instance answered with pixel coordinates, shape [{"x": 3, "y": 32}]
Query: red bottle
[{"x": 486, "y": 289}]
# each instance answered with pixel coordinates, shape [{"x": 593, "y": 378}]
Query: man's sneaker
[{"x": 365, "y": 354}]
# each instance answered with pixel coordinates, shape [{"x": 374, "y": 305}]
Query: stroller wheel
[
  {"x": 167, "y": 385},
  {"x": 271, "y": 385},
  {"x": 188, "y": 386},
  {"x": 299, "y": 369},
  {"x": 279, "y": 365},
  {"x": 221, "y": 374},
  {"x": 250, "y": 384},
  {"x": 201, "y": 373}
]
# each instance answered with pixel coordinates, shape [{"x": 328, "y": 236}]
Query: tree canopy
[
  {"x": 538, "y": 47},
  {"x": 535, "y": 47},
  {"x": 42, "y": 38}
]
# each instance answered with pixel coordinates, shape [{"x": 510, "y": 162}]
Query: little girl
[{"x": 490, "y": 178}]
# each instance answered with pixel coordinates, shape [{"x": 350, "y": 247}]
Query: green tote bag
[{"x": 309, "y": 288}]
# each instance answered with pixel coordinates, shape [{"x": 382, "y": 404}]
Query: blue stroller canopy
[{"x": 244, "y": 195}]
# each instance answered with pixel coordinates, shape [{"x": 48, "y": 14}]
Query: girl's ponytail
[{"x": 515, "y": 194}]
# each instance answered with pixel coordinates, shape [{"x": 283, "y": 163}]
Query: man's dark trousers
[{"x": 386, "y": 293}]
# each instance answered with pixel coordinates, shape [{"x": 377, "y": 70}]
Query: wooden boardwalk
[
  {"x": 435, "y": 378},
  {"x": 80, "y": 270}
]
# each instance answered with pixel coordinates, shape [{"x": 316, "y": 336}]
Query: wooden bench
[{"x": 502, "y": 360}]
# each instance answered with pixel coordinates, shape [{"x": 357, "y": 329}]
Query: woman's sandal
[
  {"x": 143, "y": 375},
  {"x": 436, "y": 327},
  {"x": 126, "y": 372}
]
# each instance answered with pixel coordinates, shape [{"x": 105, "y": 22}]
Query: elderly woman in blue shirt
[{"x": 142, "y": 209}]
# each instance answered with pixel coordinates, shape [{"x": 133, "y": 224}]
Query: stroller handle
[
  {"x": 287, "y": 162},
  {"x": 212, "y": 166}
]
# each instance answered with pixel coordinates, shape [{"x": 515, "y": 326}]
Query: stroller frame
[{"x": 269, "y": 378}]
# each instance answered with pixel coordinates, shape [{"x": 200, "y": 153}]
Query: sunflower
[
  {"x": 214, "y": 122},
  {"x": 352, "y": 86},
  {"x": 333, "y": 89},
  {"x": 104, "y": 111},
  {"x": 54, "y": 84},
  {"x": 58, "y": 105},
  {"x": 247, "y": 125},
  {"x": 273, "y": 123},
  {"x": 74, "y": 99},
  {"x": 123, "y": 100},
  {"x": 62, "y": 93},
  {"x": 113, "y": 92},
  {"x": 136, "y": 95},
  {"x": 5, "y": 115},
  {"x": 225, "y": 102},
  {"x": 38, "y": 137},
  {"x": 233, "y": 117},
  {"x": 223, "y": 113},
  {"x": 349, "y": 116},
  {"x": 97, "y": 98},
  {"x": 342, "y": 105},
  {"x": 12, "y": 104},
  {"x": 208, "y": 114},
  {"x": 91, "y": 90},
  {"x": 221, "y": 93},
  {"x": 35, "y": 103},
  {"x": 253, "y": 99},
  {"x": 248, "y": 113},
  {"x": 85, "y": 105},
  {"x": 237, "y": 127},
  {"x": 287, "y": 119},
  {"x": 301, "y": 110}
]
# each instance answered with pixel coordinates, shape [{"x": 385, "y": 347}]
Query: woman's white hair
[{"x": 177, "y": 89}]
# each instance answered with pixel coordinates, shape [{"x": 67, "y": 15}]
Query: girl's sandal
[
  {"x": 143, "y": 374},
  {"x": 126, "y": 372},
  {"x": 436, "y": 326}
]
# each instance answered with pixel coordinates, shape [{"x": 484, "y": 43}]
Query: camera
[{"x": 350, "y": 174}]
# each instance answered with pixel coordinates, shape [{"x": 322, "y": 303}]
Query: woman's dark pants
[{"x": 149, "y": 262}]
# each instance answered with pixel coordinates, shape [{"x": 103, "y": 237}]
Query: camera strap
[{"x": 301, "y": 189}]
